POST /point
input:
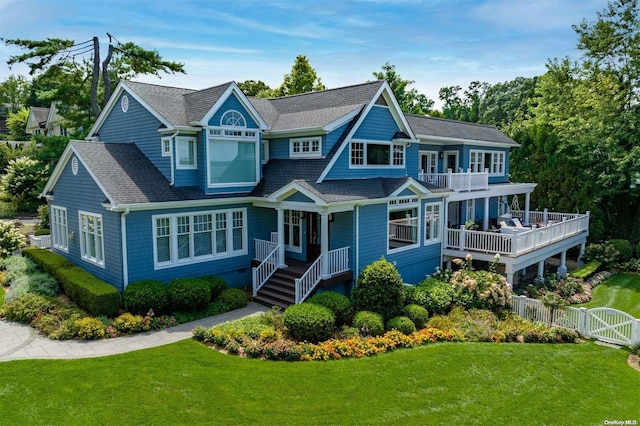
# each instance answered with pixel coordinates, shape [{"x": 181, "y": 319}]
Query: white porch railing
[
  {"x": 544, "y": 216},
  {"x": 520, "y": 241},
  {"x": 404, "y": 230},
  {"x": 469, "y": 181},
  {"x": 609, "y": 325},
  {"x": 263, "y": 272},
  {"x": 338, "y": 261},
  {"x": 263, "y": 248}
]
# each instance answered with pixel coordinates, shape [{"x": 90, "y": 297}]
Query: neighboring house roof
[
  {"x": 37, "y": 118},
  {"x": 425, "y": 126}
]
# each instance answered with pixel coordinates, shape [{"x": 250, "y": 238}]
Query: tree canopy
[
  {"x": 14, "y": 92},
  {"x": 410, "y": 100},
  {"x": 302, "y": 79},
  {"x": 72, "y": 74}
]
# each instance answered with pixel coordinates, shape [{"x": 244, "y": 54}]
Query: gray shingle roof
[
  {"x": 127, "y": 175},
  {"x": 169, "y": 102},
  {"x": 199, "y": 103},
  {"x": 40, "y": 114},
  {"x": 431, "y": 126}
]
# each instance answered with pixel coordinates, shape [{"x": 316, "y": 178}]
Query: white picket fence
[{"x": 606, "y": 324}]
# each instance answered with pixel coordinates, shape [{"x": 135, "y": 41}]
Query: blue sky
[{"x": 436, "y": 43}]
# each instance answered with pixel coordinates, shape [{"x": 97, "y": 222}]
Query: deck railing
[
  {"x": 337, "y": 262},
  {"x": 267, "y": 267},
  {"x": 263, "y": 248},
  {"x": 469, "y": 181},
  {"x": 520, "y": 241}
]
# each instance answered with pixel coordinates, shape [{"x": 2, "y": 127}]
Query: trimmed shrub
[
  {"x": 309, "y": 322},
  {"x": 128, "y": 323},
  {"x": 624, "y": 248},
  {"x": 369, "y": 323},
  {"x": 42, "y": 231},
  {"x": 25, "y": 308},
  {"x": 48, "y": 261},
  {"x": 379, "y": 289},
  {"x": 402, "y": 324},
  {"x": 338, "y": 303},
  {"x": 90, "y": 293},
  {"x": 439, "y": 295},
  {"x": 233, "y": 298},
  {"x": 140, "y": 296},
  {"x": 217, "y": 285},
  {"x": 417, "y": 314},
  {"x": 414, "y": 295},
  {"x": 587, "y": 270},
  {"x": 188, "y": 294},
  {"x": 90, "y": 328}
]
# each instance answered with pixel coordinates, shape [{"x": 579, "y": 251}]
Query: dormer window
[
  {"x": 186, "y": 152},
  {"x": 305, "y": 147},
  {"x": 233, "y": 118}
]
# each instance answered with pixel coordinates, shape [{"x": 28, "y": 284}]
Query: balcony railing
[
  {"x": 519, "y": 241},
  {"x": 469, "y": 181}
]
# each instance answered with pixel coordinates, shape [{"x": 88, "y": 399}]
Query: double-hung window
[
  {"x": 493, "y": 161},
  {"x": 186, "y": 152},
  {"x": 377, "y": 153},
  {"x": 59, "y": 230},
  {"x": 194, "y": 237},
  {"x": 403, "y": 223},
  {"x": 432, "y": 223},
  {"x": 91, "y": 238}
]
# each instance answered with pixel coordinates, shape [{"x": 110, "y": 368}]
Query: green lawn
[
  {"x": 445, "y": 383},
  {"x": 621, "y": 292}
]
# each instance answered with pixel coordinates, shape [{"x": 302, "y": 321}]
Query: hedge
[
  {"x": 90, "y": 293},
  {"x": 87, "y": 291},
  {"x": 587, "y": 270}
]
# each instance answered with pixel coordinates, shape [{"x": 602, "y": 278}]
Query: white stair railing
[
  {"x": 263, "y": 272},
  {"x": 338, "y": 261}
]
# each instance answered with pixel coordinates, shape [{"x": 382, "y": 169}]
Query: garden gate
[{"x": 606, "y": 324}]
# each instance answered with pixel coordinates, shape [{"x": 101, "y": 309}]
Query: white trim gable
[
  {"x": 290, "y": 189},
  {"x": 233, "y": 88},
  {"x": 122, "y": 87},
  {"x": 396, "y": 112},
  {"x": 62, "y": 163},
  {"x": 412, "y": 185}
]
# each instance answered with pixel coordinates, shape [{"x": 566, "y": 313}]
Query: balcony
[{"x": 469, "y": 181}]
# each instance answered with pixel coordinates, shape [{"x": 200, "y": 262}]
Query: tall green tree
[
  {"x": 17, "y": 125},
  {"x": 76, "y": 76},
  {"x": 410, "y": 100},
  {"x": 302, "y": 79},
  {"x": 14, "y": 93},
  {"x": 507, "y": 104},
  {"x": 465, "y": 107},
  {"x": 255, "y": 88}
]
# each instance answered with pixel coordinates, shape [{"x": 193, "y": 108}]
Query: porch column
[
  {"x": 527, "y": 201},
  {"x": 485, "y": 222},
  {"x": 449, "y": 264},
  {"x": 581, "y": 255},
  {"x": 562, "y": 269},
  {"x": 281, "y": 237},
  {"x": 324, "y": 245},
  {"x": 541, "y": 269},
  {"x": 508, "y": 269}
]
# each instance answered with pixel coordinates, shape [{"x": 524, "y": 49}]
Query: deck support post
[
  {"x": 281, "y": 237},
  {"x": 485, "y": 222},
  {"x": 324, "y": 245},
  {"x": 581, "y": 255},
  {"x": 541, "y": 269},
  {"x": 562, "y": 269}
]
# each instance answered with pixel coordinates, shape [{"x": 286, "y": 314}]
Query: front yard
[
  {"x": 620, "y": 292},
  {"x": 188, "y": 383}
]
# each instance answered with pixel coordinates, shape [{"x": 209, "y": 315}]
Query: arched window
[{"x": 233, "y": 118}]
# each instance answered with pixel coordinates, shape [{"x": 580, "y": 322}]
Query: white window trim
[
  {"x": 165, "y": 147},
  {"x": 83, "y": 249},
  {"x": 173, "y": 235},
  {"x": 365, "y": 143},
  {"x": 308, "y": 154},
  {"x": 289, "y": 247},
  {"x": 233, "y": 111},
  {"x": 400, "y": 204},
  {"x": 433, "y": 157},
  {"x": 471, "y": 210},
  {"x": 427, "y": 210},
  {"x": 186, "y": 139},
  {"x": 59, "y": 231},
  {"x": 498, "y": 161},
  {"x": 264, "y": 151},
  {"x": 221, "y": 137}
]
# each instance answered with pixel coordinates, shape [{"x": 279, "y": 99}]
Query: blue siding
[
  {"x": 236, "y": 270},
  {"x": 329, "y": 141},
  {"x": 138, "y": 126},
  {"x": 190, "y": 177},
  {"x": 80, "y": 192},
  {"x": 232, "y": 103},
  {"x": 378, "y": 125},
  {"x": 299, "y": 197},
  {"x": 279, "y": 148}
]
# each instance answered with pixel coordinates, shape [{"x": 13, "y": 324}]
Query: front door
[
  {"x": 451, "y": 161},
  {"x": 313, "y": 236}
]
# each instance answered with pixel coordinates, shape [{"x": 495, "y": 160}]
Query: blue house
[{"x": 291, "y": 194}]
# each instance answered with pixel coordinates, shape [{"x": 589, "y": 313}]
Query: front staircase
[{"x": 280, "y": 289}]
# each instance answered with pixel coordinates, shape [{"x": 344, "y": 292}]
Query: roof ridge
[
  {"x": 450, "y": 120},
  {"x": 159, "y": 85}
]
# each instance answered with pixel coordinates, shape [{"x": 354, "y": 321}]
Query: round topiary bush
[
  {"x": 140, "y": 296},
  {"x": 369, "y": 323},
  {"x": 233, "y": 298},
  {"x": 188, "y": 294},
  {"x": 217, "y": 285},
  {"x": 402, "y": 324},
  {"x": 379, "y": 289},
  {"x": 309, "y": 322},
  {"x": 439, "y": 296},
  {"x": 417, "y": 314},
  {"x": 338, "y": 303}
]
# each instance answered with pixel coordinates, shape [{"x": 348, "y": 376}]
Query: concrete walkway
[{"x": 18, "y": 341}]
